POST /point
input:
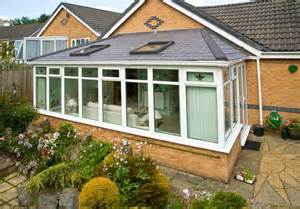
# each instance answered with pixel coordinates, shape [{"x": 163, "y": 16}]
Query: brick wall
[
  {"x": 280, "y": 88},
  {"x": 192, "y": 160},
  {"x": 172, "y": 18},
  {"x": 73, "y": 28}
]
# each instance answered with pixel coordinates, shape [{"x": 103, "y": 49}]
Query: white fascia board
[
  {"x": 280, "y": 55},
  {"x": 130, "y": 63},
  {"x": 123, "y": 19},
  {"x": 76, "y": 17},
  {"x": 214, "y": 28}
]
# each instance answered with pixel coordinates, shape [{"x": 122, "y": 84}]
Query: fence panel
[{"x": 19, "y": 81}]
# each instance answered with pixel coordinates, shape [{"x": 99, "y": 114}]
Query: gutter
[{"x": 259, "y": 91}]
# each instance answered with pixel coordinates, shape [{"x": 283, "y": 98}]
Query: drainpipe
[{"x": 259, "y": 91}]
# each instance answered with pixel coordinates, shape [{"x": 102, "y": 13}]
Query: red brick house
[{"x": 188, "y": 80}]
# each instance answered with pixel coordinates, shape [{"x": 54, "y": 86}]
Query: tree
[{"x": 26, "y": 20}]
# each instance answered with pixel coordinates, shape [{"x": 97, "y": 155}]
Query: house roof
[
  {"x": 274, "y": 24},
  {"x": 189, "y": 45},
  {"x": 18, "y": 32},
  {"x": 97, "y": 19}
]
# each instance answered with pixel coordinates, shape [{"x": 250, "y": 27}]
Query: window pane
[
  {"x": 54, "y": 71},
  {"x": 165, "y": 75},
  {"x": 61, "y": 44},
  {"x": 203, "y": 77},
  {"x": 110, "y": 73},
  {"x": 166, "y": 109},
  {"x": 71, "y": 71},
  {"x": 137, "y": 74},
  {"x": 40, "y": 70},
  {"x": 55, "y": 94},
  {"x": 202, "y": 116},
  {"x": 90, "y": 72},
  {"x": 90, "y": 99},
  {"x": 226, "y": 75},
  {"x": 112, "y": 102},
  {"x": 71, "y": 97},
  {"x": 41, "y": 93},
  {"x": 227, "y": 108},
  {"x": 137, "y": 105},
  {"x": 33, "y": 48},
  {"x": 48, "y": 46}
]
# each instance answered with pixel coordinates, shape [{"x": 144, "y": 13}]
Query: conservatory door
[{"x": 243, "y": 103}]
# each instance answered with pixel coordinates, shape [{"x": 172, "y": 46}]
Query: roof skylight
[
  {"x": 89, "y": 50},
  {"x": 153, "y": 47}
]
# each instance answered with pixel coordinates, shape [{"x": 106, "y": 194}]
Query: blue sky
[{"x": 33, "y": 8}]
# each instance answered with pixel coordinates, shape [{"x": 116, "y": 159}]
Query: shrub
[
  {"x": 175, "y": 201},
  {"x": 220, "y": 200},
  {"x": 99, "y": 193},
  {"x": 57, "y": 177},
  {"x": 16, "y": 113}
]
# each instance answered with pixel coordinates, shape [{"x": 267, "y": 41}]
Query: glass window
[
  {"x": 110, "y": 73},
  {"x": 227, "y": 107},
  {"x": 90, "y": 72},
  {"x": 202, "y": 119},
  {"x": 112, "y": 102},
  {"x": 61, "y": 44},
  {"x": 202, "y": 77},
  {"x": 71, "y": 97},
  {"x": 152, "y": 47},
  {"x": 226, "y": 76},
  {"x": 136, "y": 74},
  {"x": 166, "y": 109},
  {"x": 48, "y": 46},
  {"x": 55, "y": 94},
  {"x": 41, "y": 93},
  {"x": 54, "y": 71},
  {"x": 90, "y": 99},
  {"x": 33, "y": 48},
  {"x": 137, "y": 105},
  {"x": 235, "y": 102},
  {"x": 40, "y": 70},
  {"x": 165, "y": 75},
  {"x": 71, "y": 71}
]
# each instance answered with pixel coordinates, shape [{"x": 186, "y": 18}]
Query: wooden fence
[{"x": 17, "y": 80}]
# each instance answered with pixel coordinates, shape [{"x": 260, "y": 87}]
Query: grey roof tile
[
  {"x": 18, "y": 32},
  {"x": 193, "y": 48}
]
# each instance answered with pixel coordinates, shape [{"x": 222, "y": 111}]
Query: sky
[{"x": 10, "y": 9}]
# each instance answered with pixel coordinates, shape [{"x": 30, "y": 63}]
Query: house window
[
  {"x": 80, "y": 41},
  {"x": 178, "y": 105},
  {"x": 71, "y": 91},
  {"x": 166, "y": 101},
  {"x": 90, "y": 107},
  {"x": 137, "y": 112}
]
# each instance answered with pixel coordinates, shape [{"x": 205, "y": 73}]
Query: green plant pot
[{"x": 294, "y": 133}]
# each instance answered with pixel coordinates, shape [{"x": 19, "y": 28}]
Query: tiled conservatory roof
[{"x": 189, "y": 45}]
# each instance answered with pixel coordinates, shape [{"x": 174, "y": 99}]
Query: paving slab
[
  {"x": 16, "y": 180},
  {"x": 4, "y": 187},
  {"x": 9, "y": 195}
]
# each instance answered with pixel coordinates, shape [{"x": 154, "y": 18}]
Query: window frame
[
  {"x": 74, "y": 40},
  {"x": 222, "y": 144}
]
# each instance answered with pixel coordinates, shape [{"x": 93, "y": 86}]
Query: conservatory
[{"x": 155, "y": 85}]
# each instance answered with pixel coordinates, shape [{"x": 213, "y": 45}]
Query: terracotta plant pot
[{"x": 294, "y": 133}]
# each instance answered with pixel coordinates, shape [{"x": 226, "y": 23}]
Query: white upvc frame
[
  {"x": 222, "y": 145},
  {"x": 41, "y": 39},
  {"x": 76, "y": 39}
]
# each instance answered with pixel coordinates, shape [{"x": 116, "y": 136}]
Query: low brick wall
[{"x": 188, "y": 159}]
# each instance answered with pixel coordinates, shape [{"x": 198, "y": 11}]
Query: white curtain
[
  {"x": 33, "y": 48},
  {"x": 48, "y": 46},
  {"x": 202, "y": 113}
]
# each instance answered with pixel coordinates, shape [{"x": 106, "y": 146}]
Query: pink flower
[{"x": 2, "y": 138}]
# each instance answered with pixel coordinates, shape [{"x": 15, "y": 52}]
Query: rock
[
  {"x": 68, "y": 199},
  {"x": 47, "y": 201},
  {"x": 25, "y": 198}
]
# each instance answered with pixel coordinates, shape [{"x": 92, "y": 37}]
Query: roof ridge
[{"x": 89, "y": 7}]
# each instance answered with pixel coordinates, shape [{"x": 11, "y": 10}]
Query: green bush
[
  {"x": 99, "y": 193},
  {"x": 175, "y": 201},
  {"x": 55, "y": 177},
  {"x": 220, "y": 200},
  {"x": 138, "y": 180},
  {"x": 16, "y": 113}
]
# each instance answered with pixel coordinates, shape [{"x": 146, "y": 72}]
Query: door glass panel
[
  {"x": 90, "y": 99},
  {"x": 71, "y": 97},
  {"x": 112, "y": 111},
  {"x": 55, "y": 94}
]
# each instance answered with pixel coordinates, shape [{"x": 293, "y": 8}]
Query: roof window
[
  {"x": 89, "y": 50},
  {"x": 153, "y": 47}
]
